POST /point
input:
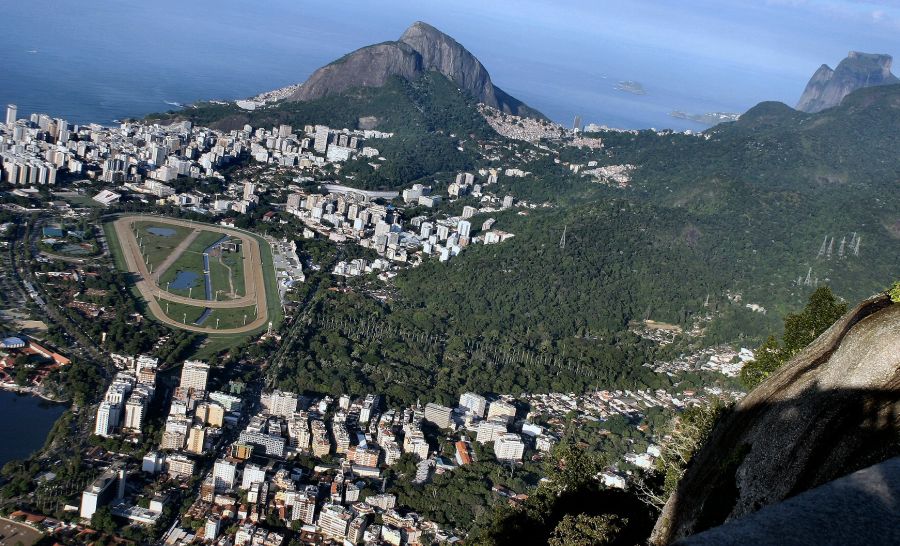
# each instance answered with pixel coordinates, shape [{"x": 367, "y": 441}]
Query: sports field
[{"x": 211, "y": 279}]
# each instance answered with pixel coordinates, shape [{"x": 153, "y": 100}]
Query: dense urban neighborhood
[{"x": 197, "y": 453}]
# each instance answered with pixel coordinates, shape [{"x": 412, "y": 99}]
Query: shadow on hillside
[{"x": 774, "y": 450}]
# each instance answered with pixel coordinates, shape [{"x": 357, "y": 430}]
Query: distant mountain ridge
[
  {"x": 421, "y": 48},
  {"x": 827, "y": 88}
]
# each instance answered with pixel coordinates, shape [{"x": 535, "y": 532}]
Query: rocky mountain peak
[
  {"x": 827, "y": 87},
  {"x": 421, "y": 48}
]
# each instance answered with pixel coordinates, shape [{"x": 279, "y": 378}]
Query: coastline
[{"x": 31, "y": 391}]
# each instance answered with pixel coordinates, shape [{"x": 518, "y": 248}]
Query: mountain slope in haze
[
  {"x": 782, "y": 182},
  {"x": 829, "y": 411},
  {"x": 828, "y": 87},
  {"x": 421, "y": 49}
]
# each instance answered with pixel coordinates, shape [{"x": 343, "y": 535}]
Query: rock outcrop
[
  {"x": 827, "y": 87},
  {"x": 831, "y": 410},
  {"x": 422, "y": 48}
]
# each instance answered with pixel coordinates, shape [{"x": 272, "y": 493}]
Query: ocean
[{"x": 109, "y": 59}]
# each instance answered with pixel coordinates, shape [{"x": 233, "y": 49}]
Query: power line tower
[
  {"x": 841, "y": 248},
  {"x": 856, "y": 248},
  {"x": 808, "y": 280},
  {"x": 830, "y": 248},
  {"x": 822, "y": 248},
  {"x": 562, "y": 240}
]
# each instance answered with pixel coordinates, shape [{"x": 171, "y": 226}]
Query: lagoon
[{"x": 25, "y": 424}]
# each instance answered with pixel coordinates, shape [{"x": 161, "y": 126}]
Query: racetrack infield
[{"x": 255, "y": 292}]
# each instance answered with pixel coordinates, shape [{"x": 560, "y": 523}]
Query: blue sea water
[{"x": 104, "y": 60}]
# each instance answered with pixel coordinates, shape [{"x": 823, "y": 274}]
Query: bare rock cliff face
[
  {"x": 370, "y": 66},
  {"x": 831, "y": 410},
  {"x": 827, "y": 87},
  {"x": 443, "y": 54},
  {"x": 422, "y": 48}
]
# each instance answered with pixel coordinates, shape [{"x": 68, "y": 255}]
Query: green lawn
[
  {"x": 227, "y": 318},
  {"x": 82, "y": 201},
  {"x": 225, "y": 267},
  {"x": 231, "y": 318},
  {"x": 235, "y": 261},
  {"x": 272, "y": 301},
  {"x": 115, "y": 247},
  {"x": 158, "y": 247},
  {"x": 191, "y": 260},
  {"x": 180, "y": 312}
]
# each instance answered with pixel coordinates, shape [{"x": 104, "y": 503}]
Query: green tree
[
  {"x": 768, "y": 359},
  {"x": 895, "y": 292},
  {"x": 800, "y": 329},
  {"x": 572, "y": 468},
  {"x": 585, "y": 530},
  {"x": 102, "y": 520}
]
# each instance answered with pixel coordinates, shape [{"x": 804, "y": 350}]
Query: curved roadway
[{"x": 254, "y": 281}]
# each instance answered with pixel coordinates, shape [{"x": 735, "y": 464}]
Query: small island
[
  {"x": 633, "y": 87},
  {"x": 709, "y": 118}
]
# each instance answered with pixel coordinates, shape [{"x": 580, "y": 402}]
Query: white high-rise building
[
  {"x": 438, "y": 414},
  {"x": 464, "y": 228},
  {"x": 211, "y": 529},
  {"x": 369, "y": 406},
  {"x": 334, "y": 521},
  {"x": 158, "y": 155},
  {"x": 107, "y": 418},
  {"x": 509, "y": 447},
  {"x": 304, "y": 508},
  {"x": 281, "y": 403},
  {"x": 500, "y": 408},
  {"x": 223, "y": 474},
  {"x": 194, "y": 375},
  {"x": 473, "y": 403},
  {"x": 11, "y": 111},
  {"x": 490, "y": 430},
  {"x": 99, "y": 493},
  {"x": 134, "y": 412},
  {"x": 414, "y": 442},
  {"x": 252, "y": 474},
  {"x": 321, "y": 142}
]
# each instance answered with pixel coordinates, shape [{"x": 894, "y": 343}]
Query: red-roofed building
[{"x": 463, "y": 453}]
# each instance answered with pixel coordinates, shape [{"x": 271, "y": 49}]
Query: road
[
  {"x": 22, "y": 271},
  {"x": 254, "y": 280}
]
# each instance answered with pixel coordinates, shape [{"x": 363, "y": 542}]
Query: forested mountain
[
  {"x": 783, "y": 183},
  {"x": 759, "y": 211}
]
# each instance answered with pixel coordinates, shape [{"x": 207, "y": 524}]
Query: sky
[{"x": 109, "y": 58}]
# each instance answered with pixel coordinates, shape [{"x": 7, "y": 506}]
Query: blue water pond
[
  {"x": 161, "y": 231},
  {"x": 184, "y": 280}
]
